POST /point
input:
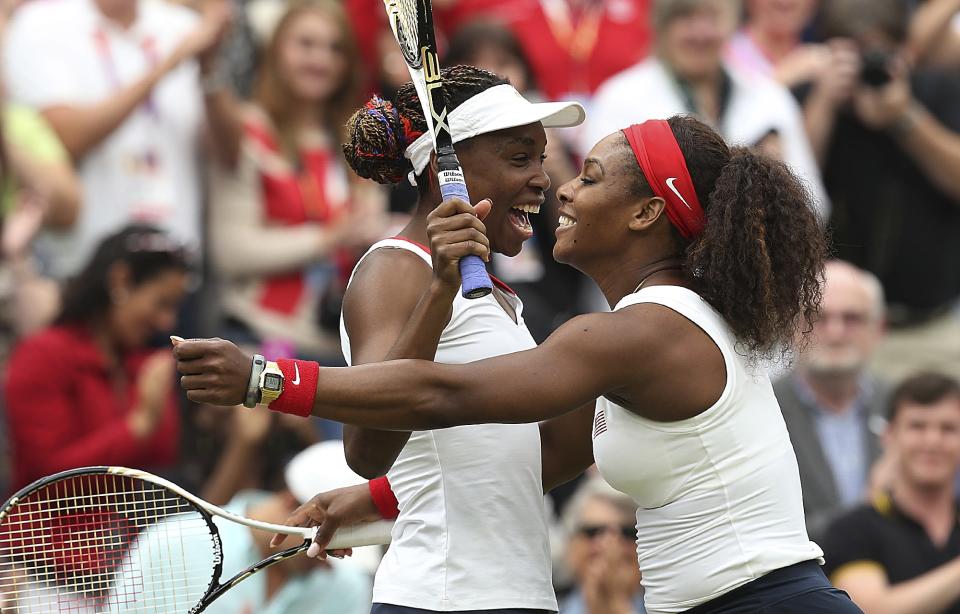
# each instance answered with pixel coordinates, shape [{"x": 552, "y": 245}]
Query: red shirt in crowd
[
  {"x": 63, "y": 410},
  {"x": 572, "y": 47},
  {"x": 573, "y": 53}
]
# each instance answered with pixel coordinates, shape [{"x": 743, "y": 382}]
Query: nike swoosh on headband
[
  {"x": 296, "y": 376},
  {"x": 677, "y": 192}
]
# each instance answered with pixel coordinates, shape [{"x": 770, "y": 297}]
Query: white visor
[{"x": 497, "y": 108}]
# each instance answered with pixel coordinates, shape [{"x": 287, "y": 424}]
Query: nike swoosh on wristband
[
  {"x": 296, "y": 376},
  {"x": 677, "y": 192}
]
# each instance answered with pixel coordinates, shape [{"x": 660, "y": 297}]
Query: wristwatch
[
  {"x": 253, "y": 385},
  {"x": 271, "y": 383}
]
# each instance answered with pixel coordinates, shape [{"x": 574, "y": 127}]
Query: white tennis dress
[
  {"x": 718, "y": 495},
  {"x": 472, "y": 531}
]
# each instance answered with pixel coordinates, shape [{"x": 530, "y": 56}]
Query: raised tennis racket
[
  {"x": 118, "y": 540},
  {"x": 412, "y": 25}
]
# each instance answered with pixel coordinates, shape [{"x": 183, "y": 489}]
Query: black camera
[{"x": 875, "y": 68}]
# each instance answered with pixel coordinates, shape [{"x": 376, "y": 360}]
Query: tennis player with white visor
[{"x": 471, "y": 534}]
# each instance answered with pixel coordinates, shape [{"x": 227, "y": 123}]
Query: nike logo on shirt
[{"x": 296, "y": 374}]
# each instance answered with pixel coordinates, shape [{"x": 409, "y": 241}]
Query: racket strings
[
  {"x": 104, "y": 543},
  {"x": 408, "y": 30}
]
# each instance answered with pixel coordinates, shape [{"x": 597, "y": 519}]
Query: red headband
[{"x": 666, "y": 171}]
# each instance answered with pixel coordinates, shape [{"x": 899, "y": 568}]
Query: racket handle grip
[
  {"x": 474, "y": 280},
  {"x": 369, "y": 534}
]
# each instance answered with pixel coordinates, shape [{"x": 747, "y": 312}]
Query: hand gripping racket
[
  {"x": 118, "y": 540},
  {"x": 412, "y": 25}
]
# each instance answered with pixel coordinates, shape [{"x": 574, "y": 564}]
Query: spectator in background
[
  {"x": 576, "y": 45},
  {"x": 830, "y": 403},
  {"x": 88, "y": 390},
  {"x": 294, "y": 586},
  {"x": 119, "y": 82},
  {"x": 934, "y": 34},
  {"x": 770, "y": 44},
  {"x": 601, "y": 552},
  {"x": 901, "y": 553},
  {"x": 38, "y": 189},
  {"x": 687, "y": 74},
  {"x": 288, "y": 193},
  {"x": 893, "y": 172}
]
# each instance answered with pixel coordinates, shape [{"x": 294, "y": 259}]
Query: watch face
[{"x": 271, "y": 381}]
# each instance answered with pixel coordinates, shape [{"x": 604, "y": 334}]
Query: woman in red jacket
[{"x": 88, "y": 390}]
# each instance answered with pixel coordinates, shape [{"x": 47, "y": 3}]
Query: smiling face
[
  {"x": 850, "y": 324},
  {"x": 311, "y": 56},
  {"x": 598, "y": 206},
  {"x": 144, "y": 309},
  {"x": 692, "y": 43},
  {"x": 926, "y": 439},
  {"x": 507, "y": 167}
]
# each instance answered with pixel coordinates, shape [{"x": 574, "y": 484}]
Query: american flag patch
[{"x": 600, "y": 423}]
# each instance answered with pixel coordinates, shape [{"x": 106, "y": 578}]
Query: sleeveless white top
[
  {"x": 472, "y": 531},
  {"x": 718, "y": 495}
]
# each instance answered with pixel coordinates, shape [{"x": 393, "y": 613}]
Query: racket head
[
  {"x": 412, "y": 25},
  {"x": 91, "y": 539}
]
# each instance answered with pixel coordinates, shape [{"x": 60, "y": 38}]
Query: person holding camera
[{"x": 892, "y": 170}]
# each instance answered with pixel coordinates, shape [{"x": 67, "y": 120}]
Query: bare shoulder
[
  {"x": 642, "y": 323},
  {"x": 387, "y": 281},
  {"x": 617, "y": 340},
  {"x": 643, "y": 353}
]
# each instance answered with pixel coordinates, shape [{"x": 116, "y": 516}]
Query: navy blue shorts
[
  {"x": 386, "y": 608},
  {"x": 798, "y": 589}
]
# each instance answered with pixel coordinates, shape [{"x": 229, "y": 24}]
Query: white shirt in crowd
[
  {"x": 756, "y": 106},
  {"x": 65, "y": 52}
]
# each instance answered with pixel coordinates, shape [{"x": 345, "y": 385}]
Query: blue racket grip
[{"x": 474, "y": 280}]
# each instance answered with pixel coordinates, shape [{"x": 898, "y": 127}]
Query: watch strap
[{"x": 259, "y": 363}]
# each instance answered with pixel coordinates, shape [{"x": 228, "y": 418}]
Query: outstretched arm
[{"x": 585, "y": 358}]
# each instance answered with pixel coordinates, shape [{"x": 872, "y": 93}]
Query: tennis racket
[
  {"x": 412, "y": 25},
  {"x": 118, "y": 540}
]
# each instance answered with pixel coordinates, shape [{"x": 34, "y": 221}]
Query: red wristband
[
  {"x": 383, "y": 498},
  {"x": 299, "y": 387}
]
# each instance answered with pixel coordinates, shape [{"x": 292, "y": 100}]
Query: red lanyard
[
  {"x": 149, "y": 48},
  {"x": 579, "y": 41}
]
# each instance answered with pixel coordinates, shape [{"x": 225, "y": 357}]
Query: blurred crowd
[{"x": 174, "y": 166}]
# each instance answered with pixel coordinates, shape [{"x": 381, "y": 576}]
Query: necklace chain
[{"x": 654, "y": 272}]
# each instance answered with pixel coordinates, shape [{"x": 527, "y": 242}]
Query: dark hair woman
[
  {"x": 88, "y": 390},
  {"x": 711, "y": 259},
  {"x": 395, "y": 307}
]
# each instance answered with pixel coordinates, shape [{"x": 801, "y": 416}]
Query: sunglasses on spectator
[{"x": 593, "y": 531}]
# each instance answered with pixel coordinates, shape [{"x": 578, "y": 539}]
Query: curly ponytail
[
  {"x": 759, "y": 261},
  {"x": 380, "y": 131}
]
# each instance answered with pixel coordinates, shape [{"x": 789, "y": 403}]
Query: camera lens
[{"x": 874, "y": 70}]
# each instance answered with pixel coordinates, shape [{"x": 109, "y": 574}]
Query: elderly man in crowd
[{"x": 830, "y": 402}]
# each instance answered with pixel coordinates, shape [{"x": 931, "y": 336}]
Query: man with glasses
[
  {"x": 601, "y": 552},
  {"x": 831, "y": 403}
]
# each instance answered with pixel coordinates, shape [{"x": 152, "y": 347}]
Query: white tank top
[
  {"x": 718, "y": 495},
  {"x": 472, "y": 531}
]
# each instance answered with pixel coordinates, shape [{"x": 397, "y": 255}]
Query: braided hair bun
[{"x": 379, "y": 132}]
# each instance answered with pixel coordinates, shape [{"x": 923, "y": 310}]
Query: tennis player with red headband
[{"x": 711, "y": 259}]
